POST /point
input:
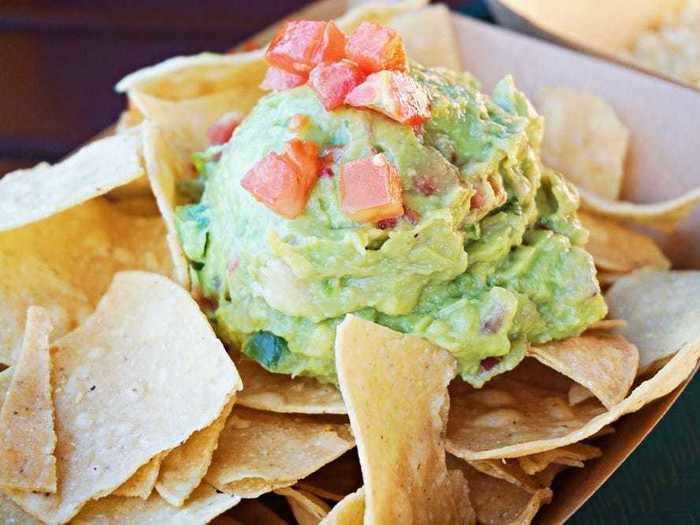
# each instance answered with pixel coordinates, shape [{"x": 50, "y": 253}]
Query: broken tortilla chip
[
  {"x": 33, "y": 194},
  {"x": 349, "y": 511},
  {"x": 584, "y": 139},
  {"x": 616, "y": 248},
  {"x": 605, "y": 364},
  {"x": 261, "y": 451},
  {"x": 662, "y": 216},
  {"x": 27, "y": 436},
  {"x": 263, "y": 390},
  {"x": 662, "y": 310},
  {"x": 137, "y": 378},
  {"x": 509, "y": 471},
  {"x": 378, "y": 370},
  {"x": 184, "y": 468},
  {"x": 571, "y": 456},
  {"x": 143, "y": 481},
  {"x": 5, "y": 380},
  {"x": 335, "y": 480},
  {"x": 12, "y": 514},
  {"x": 307, "y": 508},
  {"x": 579, "y": 393},
  {"x": 523, "y": 418},
  {"x": 205, "y": 504}
]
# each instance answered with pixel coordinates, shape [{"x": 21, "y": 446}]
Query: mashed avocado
[{"x": 487, "y": 259}]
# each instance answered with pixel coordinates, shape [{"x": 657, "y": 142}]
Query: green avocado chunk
[{"x": 488, "y": 259}]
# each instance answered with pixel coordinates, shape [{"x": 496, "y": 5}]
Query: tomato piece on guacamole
[
  {"x": 370, "y": 189},
  {"x": 374, "y": 47},
  {"x": 333, "y": 82}
]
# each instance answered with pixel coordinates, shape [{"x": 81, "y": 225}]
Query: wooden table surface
[{"x": 58, "y": 63}]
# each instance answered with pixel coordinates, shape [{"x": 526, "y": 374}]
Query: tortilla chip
[
  {"x": 349, "y": 511},
  {"x": 5, "y": 380},
  {"x": 662, "y": 310},
  {"x": 12, "y": 514},
  {"x": 307, "y": 508},
  {"x": 571, "y": 456},
  {"x": 543, "y": 419},
  {"x": 509, "y": 471},
  {"x": 663, "y": 216},
  {"x": 578, "y": 394},
  {"x": 261, "y": 451},
  {"x": 205, "y": 504},
  {"x": 428, "y": 36},
  {"x": 27, "y": 436},
  {"x": 128, "y": 119},
  {"x": 252, "y": 512},
  {"x": 335, "y": 480},
  {"x": 141, "y": 484},
  {"x": 33, "y": 194},
  {"x": 137, "y": 378},
  {"x": 66, "y": 262},
  {"x": 608, "y": 324},
  {"x": 378, "y": 13},
  {"x": 263, "y": 390},
  {"x": 498, "y": 502},
  {"x": 607, "y": 278},
  {"x": 605, "y": 364},
  {"x": 184, "y": 468},
  {"x": 164, "y": 164},
  {"x": 378, "y": 371},
  {"x": 584, "y": 140},
  {"x": 616, "y": 248}
]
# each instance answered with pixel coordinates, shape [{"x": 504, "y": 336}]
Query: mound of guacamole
[{"x": 487, "y": 259}]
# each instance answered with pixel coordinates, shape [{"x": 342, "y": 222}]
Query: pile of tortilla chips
[{"x": 120, "y": 405}]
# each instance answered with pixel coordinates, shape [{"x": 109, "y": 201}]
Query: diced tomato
[
  {"x": 370, "y": 189},
  {"x": 425, "y": 185},
  {"x": 411, "y": 215},
  {"x": 221, "y": 131},
  {"x": 395, "y": 94},
  {"x": 295, "y": 44},
  {"x": 283, "y": 181},
  {"x": 489, "y": 362},
  {"x": 387, "y": 224},
  {"x": 374, "y": 47},
  {"x": 279, "y": 79},
  {"x": 332, "y": 82},
  {"x": 332, "y": 45}
]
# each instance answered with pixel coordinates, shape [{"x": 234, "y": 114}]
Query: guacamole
[{"x": 486, "y": 259}]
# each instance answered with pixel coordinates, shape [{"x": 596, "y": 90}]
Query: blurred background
[{"x": 59, "y": 61}]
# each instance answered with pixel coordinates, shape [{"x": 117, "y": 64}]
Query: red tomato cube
[
  {"x": 221, "y": 131},
  {"x": 332, "y": 45},
  {"x": 301, "y": 44},
  {"x": 393, "y": 93},
  {"x": 283, "y": 181},
  {"x": 279, "y": 79},
  {"x": 374, "y": 47},
  {"x": 370, "y": 189},
  {"x": 332, "y": 82}
]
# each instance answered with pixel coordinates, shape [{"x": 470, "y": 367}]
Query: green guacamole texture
[{"x": 491, "y": 260}]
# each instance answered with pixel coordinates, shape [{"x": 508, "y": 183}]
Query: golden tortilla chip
[
  {"x": 498, "y": 502},
  {"x": 605, "y": 364},
  {"x": 523, "y": 418},
  {"x": 584, "y": 140},
  {"x": 579, "y": 393},
  {"x": 509, "y": 471},
  {"x": 66, "y": 262},
  {"x": 164, "y": 165},
  {"x": 607, "y": 278},
  {"x": 261, "y": 451},
  {"x": 349, "y": 511},
  {"x": 205, "y": 504},
  {"x": 379, "y": 371},
  {"x": 33, "y": 194},
  {"x": 663, "y": 216},
  {"x": 12, "y": 514},
  {"x": 137, "y": 378},
  {"x": 378, "y": 13},
  {"x": 143, "y": 481},
  {"x": 307, "y": 508},
  {"x": 252, "y": 512},
  {"x": 616, "y": 248},
  {"x": 128, "y": 119},
  {"x": 263, "y": 390},
  {"x": 571, "y": 456},
  {"x": 335, "y": 480},
  {"x": 5, "y": 380},
  {"x": 184, "y": 468},
  {"x": 608, "y": 324},
  {"x": 662, "y": 310},
  {"x": 27, "y": 436}
]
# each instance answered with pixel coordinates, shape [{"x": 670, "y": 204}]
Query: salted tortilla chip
[
  {"x": 205, "y": 504},
  {"x": 428, "y": 36},
  {"x": 663, "y": 216},
  {"x": 579, "y": 393},
  {"x": 143, "y": 481},
  {"x": 33, "y": 194},
  {"x": 184, "y": 468},
  {"x": 498, "y": 502},
  {"x": 531, "y": 419},
  {"x": 605, "y": 364},
  {"x": 662, "y": 310},
  {"x": 349, "y": 511},
  {"x": 12, "y": 514},
  {"x": 263, "y": 390},
  {"x": 378, "y": 371},
  {"x": 27, "y": 436},
  {"x": 252, "y": 512},
  {"x": 261, "y": 451},
  {"x": 65, "y": 263},
  {"x": 571, "y": 456},
  {"x": 509, "y": 471},
  {"x": 616, "y": 248},
  {"x": 137, "y": 378},
  {"x": 584, "y": 139},
  {"x": 335, "y": 480},
  {"x": 164, "y": 165},
  {"x": 307, "y": 508}
]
